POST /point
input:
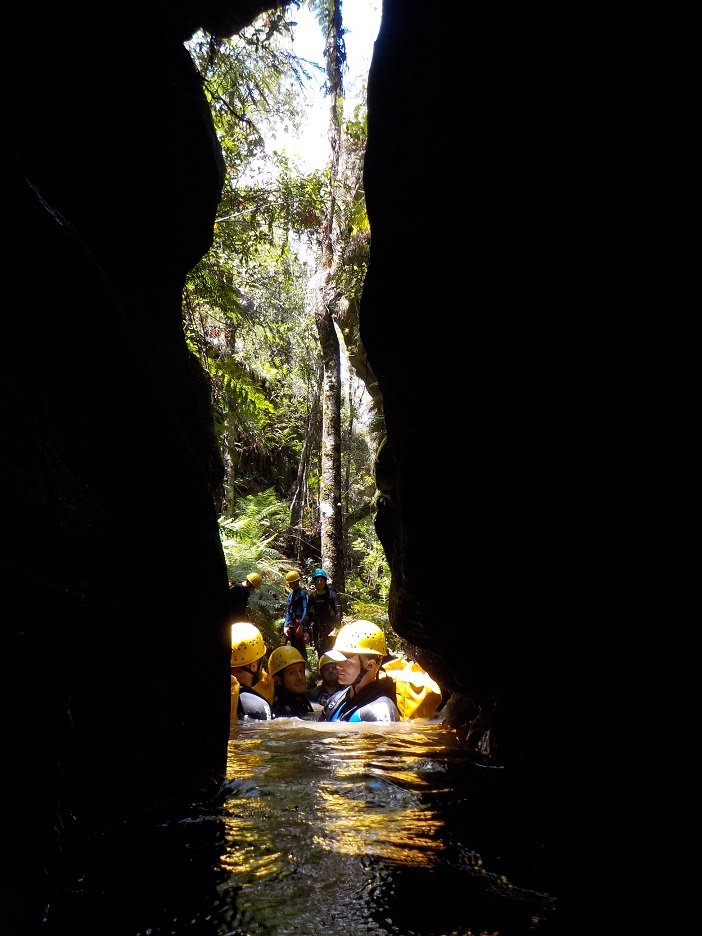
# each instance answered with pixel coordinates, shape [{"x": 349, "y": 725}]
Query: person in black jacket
[
  {"x": 323, "y": 612},
  {"x": 287, "y": 668},
  {"x": 239, "y": 594},
  {"x": 328, "y": 682}
]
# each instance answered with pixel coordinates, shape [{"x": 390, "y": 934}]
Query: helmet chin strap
[{"x": 359, "y": 677}]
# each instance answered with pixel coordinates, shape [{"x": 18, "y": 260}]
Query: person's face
[
  {"x": 320, "y": 583},
  {"x": 294, "y": 678},
  {"x": 328, "y": 673},
  {"x": 348, "y": 669}
]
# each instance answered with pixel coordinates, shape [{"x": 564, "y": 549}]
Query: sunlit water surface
[{"x": 324, "y": 829}]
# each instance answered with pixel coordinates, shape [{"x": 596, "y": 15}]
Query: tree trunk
[
  {"x": 330, "y": 507},
  {"x": 300, "y": 493}
]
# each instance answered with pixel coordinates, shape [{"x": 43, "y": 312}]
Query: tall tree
[
  {"x": 245, "y": 302},
  {"x": 330, "y": 503},
  {"x": 269, "y": 339}
]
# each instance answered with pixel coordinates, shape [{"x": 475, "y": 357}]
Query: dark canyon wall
[
  {"x": 115, "y": 653},
  {"x": 531, "y": 312}
]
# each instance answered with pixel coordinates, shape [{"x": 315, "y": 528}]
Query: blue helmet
[{"x": 319, "y": 573}]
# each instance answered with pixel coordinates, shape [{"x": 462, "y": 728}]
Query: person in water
[
  {"x": 328, "y": 682},
  {"x": 252, "y": 687},
  {"x": 287, "y": 667},
  {"x": 359, "y": 652}
]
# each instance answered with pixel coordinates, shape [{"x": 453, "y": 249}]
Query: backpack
[{"x": 418, "y": 696}]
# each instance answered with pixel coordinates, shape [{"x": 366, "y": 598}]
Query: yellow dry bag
[{"x": 418, "y": 696}]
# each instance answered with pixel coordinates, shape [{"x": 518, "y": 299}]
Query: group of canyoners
[{"x": 358, "y": 679}]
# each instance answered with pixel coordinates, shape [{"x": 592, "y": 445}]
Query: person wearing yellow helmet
[
  {"x": 328, "y": 682},
  {"x": 287, "y": 667},
  {"x": 239, "y": 594},
  {"x": 359, "y": 652},
  {"x": 295, "y": 630},
  {"x": 251, "y": 698}
]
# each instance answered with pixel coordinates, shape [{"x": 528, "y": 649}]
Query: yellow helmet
[
  {"x": 292, "y": 577},
  {"x": 283, "y": 657},
  {"x": 255, "y": 579},
  {"x": 324, "y": 659},
  {"x": 247, "y": 644},
  {"x": 359, "y": 637}
]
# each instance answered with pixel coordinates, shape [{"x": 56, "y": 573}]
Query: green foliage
[
  {"x": 251, "y": 80},
  {"x": 248, "y": 317},
  {"x": 248, "y": 541},
  {"x": 246, "y": 304},
  {"x": 370, "y": 578},
  {"x": 248, "y": 538}
]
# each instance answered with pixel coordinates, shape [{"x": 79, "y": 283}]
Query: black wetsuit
[
  {"x": 252, "y": 705},
  {"x": 238, "y": 601},
  {"x": 289, "y": 705},
  {"x": 375, "y": 702},
  {"x": 319, "y": 693},
  {"x": 324, "y": 613}
]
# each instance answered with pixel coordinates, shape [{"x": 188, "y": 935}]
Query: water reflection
[
  {"x": 325, "y": 828},
  {"x": 328, "y": 824}
]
